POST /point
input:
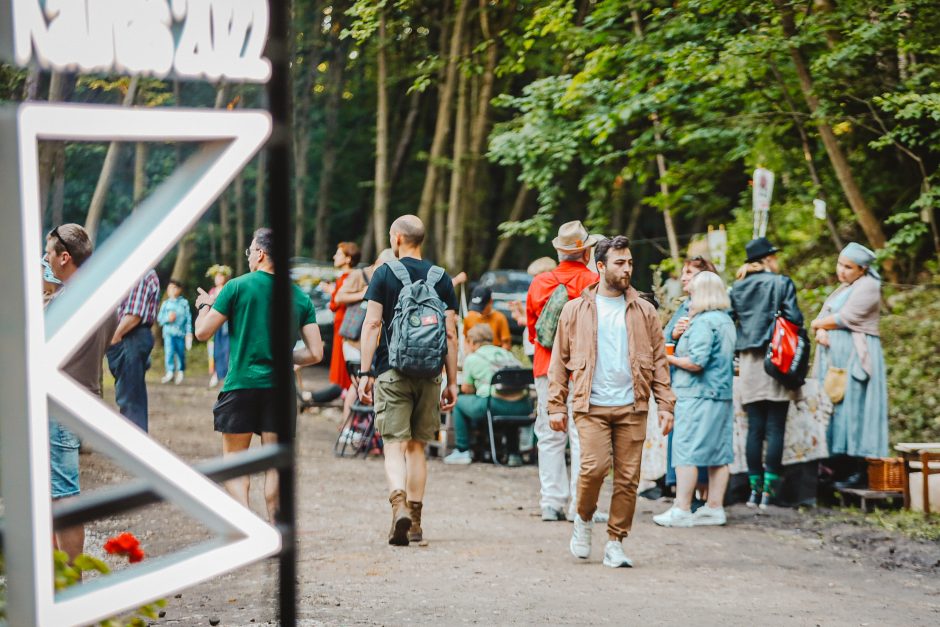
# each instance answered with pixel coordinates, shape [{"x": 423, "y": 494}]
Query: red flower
[{"x": 125, "y": 544}]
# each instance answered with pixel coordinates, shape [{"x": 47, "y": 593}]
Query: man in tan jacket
[{"x": 609, "y": 356}]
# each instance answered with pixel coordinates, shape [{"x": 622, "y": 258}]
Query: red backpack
[{"x": 787, "y": 358}]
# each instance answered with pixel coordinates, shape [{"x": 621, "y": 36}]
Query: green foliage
[{"x": 910, "y": 336}]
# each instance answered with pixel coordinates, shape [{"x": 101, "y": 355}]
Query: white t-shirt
[{"x": 613, "y": 382}]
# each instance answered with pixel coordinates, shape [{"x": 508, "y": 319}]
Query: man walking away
[
  {"x": 545, "y": 299},
  {"x": 129, "y": 354},
  {"x": 408, "y": 396},
  {"x": 246, "y": 403},
  {"x": 68, "y": 247},
  {"x": 608, "y": 357}
]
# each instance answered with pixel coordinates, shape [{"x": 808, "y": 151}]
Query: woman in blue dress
[
  {"x": 676, "y": 326},
  {"x": 848, "y": 338},
  {"x": 704, "y": 427}
]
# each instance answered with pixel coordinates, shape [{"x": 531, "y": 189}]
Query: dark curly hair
[{"x": 617, "y": 242}]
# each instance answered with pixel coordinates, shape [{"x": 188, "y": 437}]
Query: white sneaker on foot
[
  {"x": 179, "y": 377},
  {"x": 456, "y": 457},
  {"x": 706, "y": 515},
  {"x": 614, "y": 556},
  {"x": 674, "y": 517},
  {"x": 580, "y": 544},
  {"x": 167, "y": 378},
  {"x": 549, "y": 513}
]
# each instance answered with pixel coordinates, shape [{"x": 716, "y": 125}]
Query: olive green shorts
[{"x": 407, "y": 408}]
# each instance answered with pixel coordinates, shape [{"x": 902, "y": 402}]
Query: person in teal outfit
[
  {"x": 702, "y": 382},
  {"x": 177, "y": 321},
  {"x": 483, "y": 360},
  {"x": 676, "y": 326},
  {"x": 848, "y": 337}
]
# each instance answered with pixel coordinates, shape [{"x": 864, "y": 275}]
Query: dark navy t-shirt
[{"x": 385, "y": 288}]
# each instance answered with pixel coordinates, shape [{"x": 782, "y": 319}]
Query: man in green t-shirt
[
  {"x": 482, "y": 362},
  {"x": 246, "y": 403}
]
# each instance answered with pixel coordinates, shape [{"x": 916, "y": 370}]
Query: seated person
[
  {"x": 482, "y": 361},
  {"x": 481, "y": 310}
]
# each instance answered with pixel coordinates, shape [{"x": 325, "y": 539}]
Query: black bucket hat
[{"x": 759, "y": 248}]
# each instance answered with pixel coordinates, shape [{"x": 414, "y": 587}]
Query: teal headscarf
[{"x": 864, "y": 257}]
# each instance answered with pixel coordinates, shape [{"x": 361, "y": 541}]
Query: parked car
[
  {"x": 308, "y": 274},
  {"x": 507, "y": 286}
]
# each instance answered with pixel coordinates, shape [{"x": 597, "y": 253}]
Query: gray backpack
[{"x": 418, "y": 342}]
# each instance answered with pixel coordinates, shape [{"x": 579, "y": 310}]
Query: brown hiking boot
[
  {"x": 415, "y": 534},
  {"x": 401, "y": 519}
]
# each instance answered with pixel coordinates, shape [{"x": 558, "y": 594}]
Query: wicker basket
[{"x": 886, "y": 474}]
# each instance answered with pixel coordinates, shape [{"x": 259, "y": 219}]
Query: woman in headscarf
[{"x": 850, "y": 353}]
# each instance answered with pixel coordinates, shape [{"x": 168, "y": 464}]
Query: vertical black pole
[{"x": 279, "y": 160}]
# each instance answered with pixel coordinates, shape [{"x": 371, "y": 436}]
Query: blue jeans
[
  {"x": 129, "y": 361},
  {"x": 220, "y": 351},
  {"x": 174, "y": 347},
  {"x": 63, "y": 461}
]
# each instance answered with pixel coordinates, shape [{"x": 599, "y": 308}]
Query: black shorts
[{"x": 246, "y": 411}]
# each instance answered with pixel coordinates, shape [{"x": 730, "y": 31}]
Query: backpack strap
[
  {"x": 435, "y": 274},
  {"x": 400, "y": 271}
]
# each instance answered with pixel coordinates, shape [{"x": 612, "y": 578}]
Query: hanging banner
[
  {"x": 718, "y": 246},
  {"x": 763, "y": 189}
]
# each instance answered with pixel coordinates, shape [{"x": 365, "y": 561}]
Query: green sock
[
  {"x": 755, "y": 481},
  {"x": 770, "y": 483}
]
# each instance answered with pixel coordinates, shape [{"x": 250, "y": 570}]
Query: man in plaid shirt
[{"x": 129, "y": 354}]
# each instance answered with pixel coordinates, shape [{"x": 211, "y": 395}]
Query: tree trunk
[
  {"x": 58, "y": 186},
  {"x": 184, "y": 257},
  {"x": 807, "y": 153},
  {"x": 368, "y": 240},
  {"x": 866, "y": 218},
  {"x": 334, "y": 100},
  {"x": 225, "y": 233},
  {"x": 518, "y": 209},
  {"x": 262, "y": 171},
  {"x": 381, "y": 191},
  {"x": 443, "y": 119},
  {"x": 453, "y": 253},
  {"x": 50, "y": 152},
  {"x": 481, "y": 118},
  {"x": 406, "y": 136},
  {"x": 661, "y": 166},
  {"x": 240, "y": 235},
  {"x": 140, "y": 172},
  {"x": 96, "y": 208}
]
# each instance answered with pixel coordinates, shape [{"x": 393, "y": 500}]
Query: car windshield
[{"x": 506, "y": 281}]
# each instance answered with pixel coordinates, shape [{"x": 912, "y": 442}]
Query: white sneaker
[
  {"x": 213, "y": 380},
  {"x": 674, "y": 517},
  {"x": 179, "y": 377},
  {"x": 456, "y": 457},
  {"x": 598, "y": 517},
  {"x": 550, "y": 514},
  {"x": 167, "y": 378},
  {"x": 580, "y": 544},
  {"x": 614, "y": 556},
  {"x": 706, "y": 515}
]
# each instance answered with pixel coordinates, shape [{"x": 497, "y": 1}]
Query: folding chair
[
  {"x": 508, "y": 381},
  {"x": 358, "y": 434}
]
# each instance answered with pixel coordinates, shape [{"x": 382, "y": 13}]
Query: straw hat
[{"x": 573, "y": 237}]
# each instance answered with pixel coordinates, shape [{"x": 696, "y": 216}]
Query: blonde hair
[
  {"x": 384, "y": 257},
  {"x": 480, "y": 334},
  {"x": 542, "y": 264},
  {"x": 709, "y": 292},
  {"x": 752, "y": 267}
]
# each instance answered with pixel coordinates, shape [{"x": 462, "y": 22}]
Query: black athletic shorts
[{"x": 246, "y": 411}]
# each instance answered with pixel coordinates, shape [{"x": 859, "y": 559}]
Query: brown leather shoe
[
  {"x": 415, "y": 534},
  {"x": 401, "y": 519}
]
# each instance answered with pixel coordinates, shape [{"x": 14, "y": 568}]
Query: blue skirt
[{"x": 704, "y": 432}]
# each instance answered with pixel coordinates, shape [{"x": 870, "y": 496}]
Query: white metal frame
[{"x": 42, "y": 343}]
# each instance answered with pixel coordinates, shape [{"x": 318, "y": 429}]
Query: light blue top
[
  {"x": 708, "y": 342},
  {"x": 681, "y": 312},
  {"x": 183, "y": 325}
]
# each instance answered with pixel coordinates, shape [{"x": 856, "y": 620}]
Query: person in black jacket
[{"x": 759, "y": 292}]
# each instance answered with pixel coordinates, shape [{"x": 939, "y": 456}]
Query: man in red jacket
[{"x": 574, "y": 246}]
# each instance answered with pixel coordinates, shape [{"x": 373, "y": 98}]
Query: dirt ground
[{"x": 491, "y": 560}]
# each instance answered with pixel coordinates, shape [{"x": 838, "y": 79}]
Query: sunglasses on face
[{"x": 55, "y": 234}]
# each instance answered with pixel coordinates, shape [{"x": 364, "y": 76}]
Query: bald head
[{"x": 410, "y": 229}]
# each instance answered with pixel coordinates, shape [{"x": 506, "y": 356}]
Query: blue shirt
[
  {"x": 708, "y": 342},
  {"x": 183, "y": 324}
]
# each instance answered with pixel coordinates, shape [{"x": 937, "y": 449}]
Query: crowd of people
[{"x": 600, "y": 361}]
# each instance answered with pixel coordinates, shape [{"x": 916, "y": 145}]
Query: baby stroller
[{"x": 358, "y": 434}]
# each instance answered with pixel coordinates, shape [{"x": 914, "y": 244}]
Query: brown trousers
[{"x": 609, "y": 433}]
